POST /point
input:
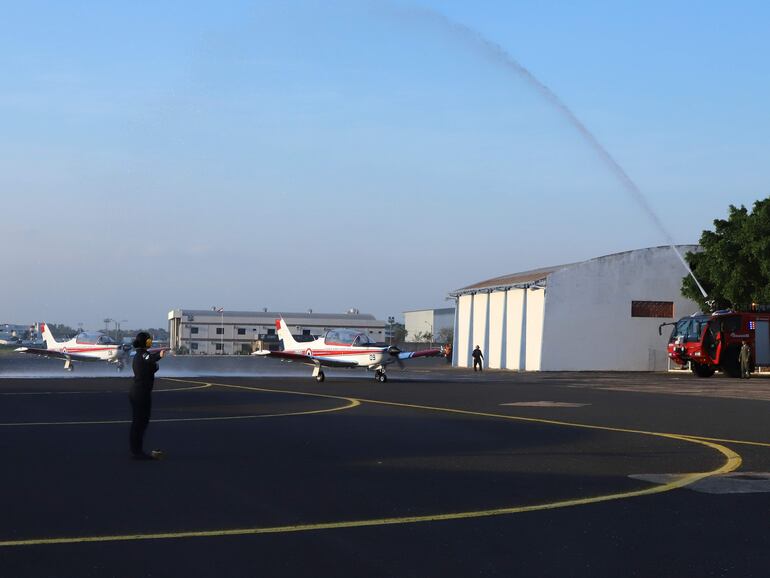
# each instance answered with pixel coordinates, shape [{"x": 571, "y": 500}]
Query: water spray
[{"x": 498, "y": 55}]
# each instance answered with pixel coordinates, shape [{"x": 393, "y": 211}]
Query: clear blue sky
[{"x": 297, "y": 154}]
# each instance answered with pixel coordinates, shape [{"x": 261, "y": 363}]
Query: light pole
[
  {"x": 391, "y": 321},
  {"x": 118, "y": 334}
]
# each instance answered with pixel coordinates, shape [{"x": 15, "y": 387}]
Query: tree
[
  {"x": 61, "y": 331},
  {"x": 446, "y": 334},
  {"x": 426, "y": 336},
  {"x": 734, "y": 264},
  {"x": 398, "y": 331}
]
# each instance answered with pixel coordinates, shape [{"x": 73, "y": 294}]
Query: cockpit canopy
[
  {"x": 94, "y": 339},
  {"x": 347, "y": 337}
]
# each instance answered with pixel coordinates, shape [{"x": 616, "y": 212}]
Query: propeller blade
[{"x": 395, "y": 352}]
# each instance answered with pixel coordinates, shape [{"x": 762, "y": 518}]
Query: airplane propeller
[{"x": 394, "y": 352}]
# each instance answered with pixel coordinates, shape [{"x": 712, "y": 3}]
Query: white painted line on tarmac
[
  {"x": 730, "y": 483},
  {"x": 545, "y": 404}
]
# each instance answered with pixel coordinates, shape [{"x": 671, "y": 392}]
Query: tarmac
[{"x": 438, "y": 472}]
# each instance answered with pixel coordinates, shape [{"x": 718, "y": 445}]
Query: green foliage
[
  {"x": 61, "y": 331},
  {"x": 399, "y": 333},
  {"x": 426, "y": 336},
  {"x": 734, "y": 266}
]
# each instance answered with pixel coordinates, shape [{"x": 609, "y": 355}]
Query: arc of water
[{"x": 500, "y": 56}]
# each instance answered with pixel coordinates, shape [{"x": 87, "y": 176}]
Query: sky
[{"x": 370, "y": 154}]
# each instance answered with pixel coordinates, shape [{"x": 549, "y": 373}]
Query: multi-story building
[
  {"x": 439, "y": 323},
  {"x": 208, "y": 331}
]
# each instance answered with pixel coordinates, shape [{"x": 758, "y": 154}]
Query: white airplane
[
  {"x": 341, "y": 348},
  {"x": 83, "y": 347}
]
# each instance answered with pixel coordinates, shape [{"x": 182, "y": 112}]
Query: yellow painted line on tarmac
[
  {"x": 204, "y": 386},
  {"x": 728, "y": 441},
  {"x": 99, "y": 392},
  {"x": 351, "y": 404},
  {"x": 732, "y": 462}
]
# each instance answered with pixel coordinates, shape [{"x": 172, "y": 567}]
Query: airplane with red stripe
[
  {"x": 341, "y": 348},
  {"x": 83, "y": 347}
]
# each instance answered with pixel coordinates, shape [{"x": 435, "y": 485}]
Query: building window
[
  {"x": 306, "y": 332},
  {"x": 663, "y": 309},
  {"x": 271, "y": 331},
  {"x": 241, "y": 331},
  {"x": 218, "y": 346},
  {"x": 193, "y": 347},
  {"x": 220, "y": 330},
  {"x": 193, "y": 330},
  {"x": 245, "y": 348}
]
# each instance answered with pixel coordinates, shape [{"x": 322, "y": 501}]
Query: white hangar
[{"x": 600, "y": 314}]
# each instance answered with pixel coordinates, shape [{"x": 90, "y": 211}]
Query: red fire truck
[{"x": 712, "y": 342}]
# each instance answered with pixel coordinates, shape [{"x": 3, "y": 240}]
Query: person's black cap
[{"x": 140, "y": 341}]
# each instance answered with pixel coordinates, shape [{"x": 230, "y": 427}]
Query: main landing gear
[
  {"x": 380, "y": 376},
  {"x": 320, "y": 377}
]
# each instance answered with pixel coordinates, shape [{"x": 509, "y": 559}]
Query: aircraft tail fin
[
  {"x": 48, "y": 337},
  {"x": 285, "y": 334}
]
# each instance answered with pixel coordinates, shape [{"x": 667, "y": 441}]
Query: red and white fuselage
[
  {"x": 341, "y": 348},
  {"x": 83, "y": 347}
]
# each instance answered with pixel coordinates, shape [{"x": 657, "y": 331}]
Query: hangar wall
[
  {"x": 588, "y": 323},
  {"x": 573, "y": 317},
  {"x": 507, "y": 325}
]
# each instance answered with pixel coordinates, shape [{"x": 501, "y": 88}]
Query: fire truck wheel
[{"x": 701, "y": 369}]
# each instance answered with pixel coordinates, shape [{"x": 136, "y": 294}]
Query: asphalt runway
[{"x": 436, "y": 473}]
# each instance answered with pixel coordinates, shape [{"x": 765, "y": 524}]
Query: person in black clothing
[
  {"x": 477, "y": 357},
  {"x": 145, "y": 365}
]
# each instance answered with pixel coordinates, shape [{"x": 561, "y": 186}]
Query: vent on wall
[{"x": 663, "y": 309}]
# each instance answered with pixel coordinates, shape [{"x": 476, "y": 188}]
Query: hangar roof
[
  {"x": 538, "y": 276},
  {"x": 522, "y": 279}
]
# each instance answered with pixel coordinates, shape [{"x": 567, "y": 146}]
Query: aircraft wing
[
  {"x": 151, "y": 350},
  {"x": 306, "y": 359},
  {"x": 424, "y": 353},
  {"x": 56, "y": 354}
]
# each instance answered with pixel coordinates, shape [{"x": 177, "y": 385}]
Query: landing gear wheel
[
  {"x": 381, "y": 377},
  {"x": 320, "y": 377}
]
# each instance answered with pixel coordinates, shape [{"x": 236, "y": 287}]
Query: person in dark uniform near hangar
[
  {"x": 145, "y": 365},
  {"x": 477, "y": 357}
]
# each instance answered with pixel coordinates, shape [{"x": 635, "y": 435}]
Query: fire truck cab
[{"x": 712, "y": 343}]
